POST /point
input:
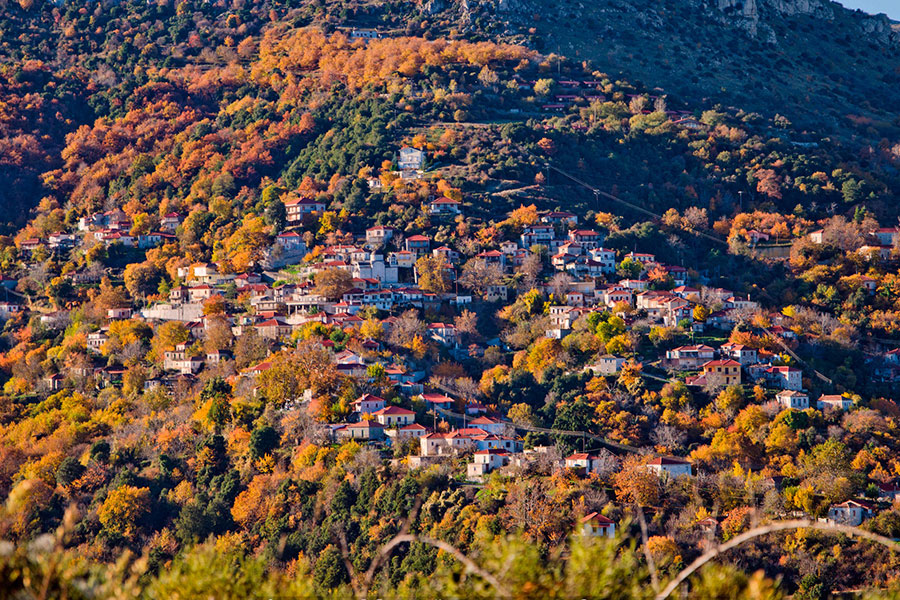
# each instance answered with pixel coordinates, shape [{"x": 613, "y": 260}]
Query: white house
[
  {"x": 411, "y": 159},
  {"x": 850, "y": 512},
  {"x": 488, "y": 424},
  {"x": 486, "y": 461},
  {"x": 834, "y": 401},
  {"x": 669, "y": 467},
  {"x": 786, "y": 378},
  {"x": 379, "y": 234},
  {"x": 8, "y": 309},
  {"x": 741, "y": 353},
  {"x": 367, "y": 404},
  {"x": 178, "y": 360},
  {"x": 582, "y": 460},
  {"x": 596, "y": 525},
  {"x": 444, "y": 206},
  {"x": 793, "y": 399}
]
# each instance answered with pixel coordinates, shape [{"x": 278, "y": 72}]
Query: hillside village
[
  {"x": 388, "y": 312},
  {"x": 329, "y": 299}
]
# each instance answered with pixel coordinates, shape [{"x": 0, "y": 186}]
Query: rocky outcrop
[{"x": 756, "y": 17}]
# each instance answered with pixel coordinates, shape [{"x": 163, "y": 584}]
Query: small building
[
  {"x": 444, "y": 206},
  {"x": 379, "y": 235},
  {"x": 793, "y": 399},
  {"x": 582, "y": 461},
  {"x": 717, "y": 373},
  {"x": 412, "y": 431},
  {"x": 596, "y": 525},
  {"x": 433, "y": 401},
  {"x": 298, "y": 209},
  {"x": 56, "y": 382},
  {"x": 488, "y": 424},
  {"x": 418, "y": 244},
  {"x": 786, "y": 378},
  {"x": 851, "y": 513},
  {"x": 690, "y": 356},
  {"x": 835, "y": 402},
  {"x": 669, "y": 467},
  {"x": 411, "y": 159},
  {"x": 394, "y": 416},
  {"x": 365, "y": 430},
  {"x": 741, "y": 353},
  {"x": 486, "y": 461},
  {"x": 608, "y": 365},
  {"x": 116, "y": 314},
  {"x": 368, "y": 404}
]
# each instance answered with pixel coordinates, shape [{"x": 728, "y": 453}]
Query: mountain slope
[{"x": 816, "y": 62}]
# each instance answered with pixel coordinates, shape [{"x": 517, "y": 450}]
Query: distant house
[
  {"x": 365, "y": 34},
  {"x": 587, "y": 238},
  {"x": 687, "y": 357},
  {"x": 437, "y": 401},
  {"x": 596, "y": 525},
  {"x": 690, "y": 124},
  {"x": 741, "y": 353},
  {"x": 418, "y": 244},
  {"x": 8, "y": 309},
  {"x": 644, "y": 258},
  {"x": 273, "y": 329},
  {"x": 786, "y": 378},
  {"x": 298, "y": 209},
  {"x": 412, "y": 431},
  {"x": 443, "y": 333},
  {"x": 394, "y": 416},
  {"x": 718, "y": 373},
  {"x": 560, "y": 217},
  {"x": 496, "y": 293},
  {"x": 290, "y": 241},
  {"x": 118, "y": 313},
  {"x": 170, "y": 222},
  {"x": 217, "y": 356},
  {"x": 55, "y": 382},
  {"x": 411, "y": 159},
  {"x": 485, "y": 461},
  {"x": 835, "y": 402},
  {"x": 365, "y": 430},
  {"x": 178, "y": 360},
  {"x": 368, "y": 404},
  {"x": 488, "y": 424},
  {"x": 444, "y": 206},
  {"x": 608, "y": 365},
  {"x": 379, "y": 235},
  {"x": 817, "y": 236},
  {"x": 793, "y": 399},
  {"x": 851, "y": 513},
  {"x": 669, "y": 467},
  {"x": 887, "y": 236},
  {"x": 582, "y": 461},
  {"x": 96, "y": 340},
  {"x": 537, "y": 234}
]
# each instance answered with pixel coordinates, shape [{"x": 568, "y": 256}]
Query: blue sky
[{"x": 889, "y": 7}]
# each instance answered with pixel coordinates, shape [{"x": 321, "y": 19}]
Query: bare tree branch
[{"x": 770, "y": 528}]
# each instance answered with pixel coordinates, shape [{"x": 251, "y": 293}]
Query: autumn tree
[
  {"x": 123, "y": 509},
  {"x": 478, "y": 275},
  {"x": 141, "y": 279},
  {"x": 333, "y": 283},
  {"x": 636, "y": 484},
  {"x": 434, "y": 274}
]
